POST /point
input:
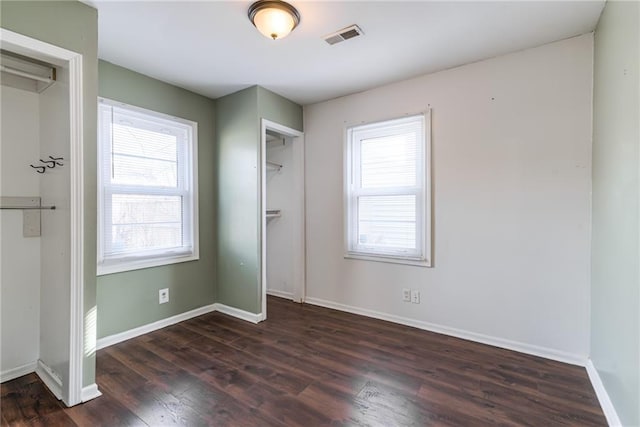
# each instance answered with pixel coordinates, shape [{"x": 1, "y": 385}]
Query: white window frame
[
  {"x": 189, "y": 191},
  {"x": 352, "y": 190}
]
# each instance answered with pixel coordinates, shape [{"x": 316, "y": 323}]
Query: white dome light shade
[{"x": 274, "y": 19}]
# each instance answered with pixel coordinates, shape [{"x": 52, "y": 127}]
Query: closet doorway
[
  {"x": 283, "y": 224},
  {"x": 41, "y": 217}
]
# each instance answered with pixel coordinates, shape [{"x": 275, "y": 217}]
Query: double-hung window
[
  {"x": 387, "y": 191},
  {"x": 147, "y": 188}
]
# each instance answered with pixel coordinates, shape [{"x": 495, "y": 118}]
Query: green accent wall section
[
  {"x": 272, "y": 106},
  {"x": 73, "y": 26},
  {"x": 130, "y": 299},
  {"x": 615, "y": 290},
  {"x": 238, "y": 201}
]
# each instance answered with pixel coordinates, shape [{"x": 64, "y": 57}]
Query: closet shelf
[
  {"x": 273, "y": 213},
  {"x": 273, "y": 166}
]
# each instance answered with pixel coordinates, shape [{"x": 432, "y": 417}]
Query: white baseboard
[
  {"x": 603, "y": 397},
  {"x": 163, "y": 323},
  {"x": 13, "y": 373},
  {"x": 280, "y": 294},
  {"x": 240, "y": 314},
  {"x": 50, "y": 379},
  {"x": 150, "y": 327},
  {"x": 547, "y": 353},
  {"x": 90, "y": 392}
]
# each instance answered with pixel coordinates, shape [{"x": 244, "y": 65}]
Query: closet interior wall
[
  {"x": 19, "y": 256},
  {"x": 281, "y": 211},
  {"x": 35, "y": 271}
]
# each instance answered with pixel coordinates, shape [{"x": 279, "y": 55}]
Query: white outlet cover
[
  {"x": 406, "y": 294},
  {"x": 163, "y": 296},
  {"x": 415, "y": 297}
]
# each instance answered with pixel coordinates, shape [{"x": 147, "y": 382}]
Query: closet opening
[
  {"x": 41, "y": 218},
  {"x": 283, "y": 225}
]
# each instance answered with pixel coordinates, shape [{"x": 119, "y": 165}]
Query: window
[
  {"x": 387, "y": 191},
  {"x": 147, "y": 188}
]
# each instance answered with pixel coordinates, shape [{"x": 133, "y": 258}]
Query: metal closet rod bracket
[
  {"x": 276, "y": 166},
  {"x": 31, "y": 212}
]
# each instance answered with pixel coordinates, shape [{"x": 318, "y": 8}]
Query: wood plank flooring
[{"x": 310, "y": 366}]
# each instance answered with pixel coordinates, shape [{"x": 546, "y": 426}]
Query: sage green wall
[
  {"x": 130, "y": 299},
  {"x": 615, "y": 290},
  {"x": 73, "y": 26},
  {"x": 274, "y": 107},
  {"x": 238, "y": 203}
]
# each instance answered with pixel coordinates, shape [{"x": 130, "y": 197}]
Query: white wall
[
  {"x": 280, "y": 231},
  {"x": 615, "y": 290},
  {"x": 511, "y": 146},
  {"x": 36, "y": 271},
  {"x": 55, "y": 261},
  {"x": 20, "y": 256}
]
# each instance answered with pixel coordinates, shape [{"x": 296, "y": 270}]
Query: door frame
[
  {"x": 299, "y": 272},
  {"x": 74, "y": 392}
]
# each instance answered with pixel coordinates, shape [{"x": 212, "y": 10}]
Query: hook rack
[{"x": 55, "y": 161}]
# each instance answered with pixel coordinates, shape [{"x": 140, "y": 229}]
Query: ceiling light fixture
[{"x": 274, "y": 18}]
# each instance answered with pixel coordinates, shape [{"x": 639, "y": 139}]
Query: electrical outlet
[
  {"x": 415, "y": 297},
  {"x": 163, "y": 295},
  {"x": 406, "y": 295}
]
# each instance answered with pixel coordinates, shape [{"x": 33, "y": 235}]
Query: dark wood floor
[{"x": 311, "y": 366}]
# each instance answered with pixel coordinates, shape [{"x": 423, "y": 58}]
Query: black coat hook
[
  {"x": 55, "y": 159},
  {"x": 50, "y": 163},
  {"x": 39, "y": 169}
]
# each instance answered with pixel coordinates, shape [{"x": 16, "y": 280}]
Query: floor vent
[{"x": 343, "y": 34}]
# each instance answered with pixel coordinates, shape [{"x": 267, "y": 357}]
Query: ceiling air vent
[{"x": 343, "y": 34}]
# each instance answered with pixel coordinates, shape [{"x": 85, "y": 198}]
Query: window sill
[
  {"x": 115, "y": 266},
  {"x": 388, "y": 259}
]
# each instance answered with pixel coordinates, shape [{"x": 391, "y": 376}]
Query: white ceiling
[{"x": 211, "y": 48}]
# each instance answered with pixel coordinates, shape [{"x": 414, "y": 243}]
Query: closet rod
[
  {"x": 42, "y": 208},
  {"x": 25, "y": 74}
]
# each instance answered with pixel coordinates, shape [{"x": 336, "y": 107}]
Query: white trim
[
  {"x": 163, "y": 323},
  {"x": 534, "y": 350},
  {"x": 388, "y": 259},
  {"x": 131, "y": 265},
  {"x": 46, "y": 52},
  {"x": 11, "y": 374},
  {"x": 262, "y": 206},
  {"x": 352, "y": 188},
  {"x": 603, "y": 397},
  {"x": 77, "y": 326},
  {"x": 280, "y": 294},
  {"x": 299, "y": 248},
  {"x": 50, "y": 378},
  {"x": 90, "y": 392},
  {"x": 30, "y": 47},
  {"x": 240, "y": 314},
  {"x": 299, "y": 269},
  {"x": 188, "y": 171},
  {"x": 154, "y": 326}
]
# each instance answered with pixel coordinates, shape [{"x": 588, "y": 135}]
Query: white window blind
[
  {"x": 147, "y": 182},
  {"x": 386, "y": 196}
]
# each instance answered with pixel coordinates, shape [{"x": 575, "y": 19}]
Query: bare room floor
[{"x": 312, "y": 366}]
